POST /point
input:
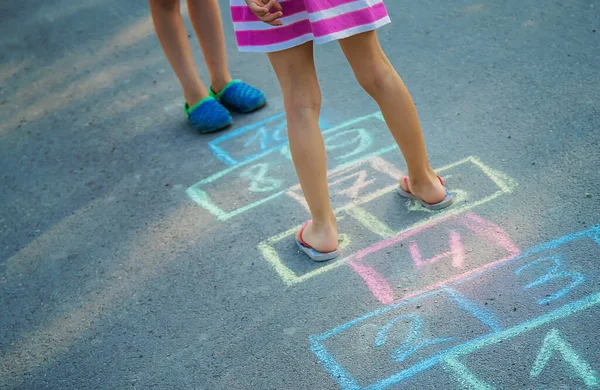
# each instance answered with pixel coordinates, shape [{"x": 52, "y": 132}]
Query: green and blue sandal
[{"x": 240, "y": 97}]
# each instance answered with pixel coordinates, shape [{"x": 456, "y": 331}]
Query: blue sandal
[
  {"x": 240, "y": 97},
  {"x": 208, "y": 115}
]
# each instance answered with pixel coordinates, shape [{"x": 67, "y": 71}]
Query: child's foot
[
  {"x": 430, "y": 191},
  {"x": 240, "y": 97},
  {"x": 208, "y": 115},
  {"x": 321, "y": 238}
]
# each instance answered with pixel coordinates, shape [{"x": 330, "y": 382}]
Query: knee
[
  {"x": 377, "y": 78},
  {"x": 303, "y": 101},
  {"x": 168, "y": 5}
]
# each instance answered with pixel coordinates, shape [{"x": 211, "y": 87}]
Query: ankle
[
  {"x": 423, "y": 177},
  {"x": 326, "y": 223},
  {"x": 218, "y": 84},
  {"x": 192, "y": 98}
]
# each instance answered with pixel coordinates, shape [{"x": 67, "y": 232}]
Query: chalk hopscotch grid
[
  {"x": 449, "y": 357},
  {"x": 504, "y": 183},
  {"x": 203, "y": 199}
]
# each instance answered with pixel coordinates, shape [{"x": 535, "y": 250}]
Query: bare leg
[
  {"x": 297, "y": 76},
  {"x": 172, "y": 35},
  {"x": 378, "y": 77},
  {"x": 206, "y": 19}
]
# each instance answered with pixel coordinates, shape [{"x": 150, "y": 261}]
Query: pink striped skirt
[{"x": 306, "y": 20}]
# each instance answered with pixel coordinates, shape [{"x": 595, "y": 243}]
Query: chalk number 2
[{"x": 414, "y": 340}]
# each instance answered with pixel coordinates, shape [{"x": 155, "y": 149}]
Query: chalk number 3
[{"x": 555, "y": 271}]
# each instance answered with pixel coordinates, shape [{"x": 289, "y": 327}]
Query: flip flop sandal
[
  {"x": 446, "y": 202},
  {"x": 312, "y": 252}
]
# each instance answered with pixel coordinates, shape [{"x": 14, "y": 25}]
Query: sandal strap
[
  {"x": 300, "y": 235},
  {"x": 406, "y": 184}
]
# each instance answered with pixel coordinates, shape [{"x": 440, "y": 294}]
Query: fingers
[
  {"x": 272, "y": 18},
  {"x": 275, "y": 5},
  {"x": 275, "y": 23},
  {"x": 265, "y": 14}
]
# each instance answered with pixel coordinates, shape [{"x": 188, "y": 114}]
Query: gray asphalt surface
[{"x": 112, "y": 276}]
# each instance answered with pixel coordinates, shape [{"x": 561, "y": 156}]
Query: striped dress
[{"x": 306, "y": 20}]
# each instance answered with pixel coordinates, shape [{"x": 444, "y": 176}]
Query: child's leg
[
  {"x": 172, "y": 35},
  {"x": 378, "y": 77},
  {"x": 206, "y": 19},
  {"x": 297, "y": 76}
]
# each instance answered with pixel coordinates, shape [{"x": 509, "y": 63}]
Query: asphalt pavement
[{"x": 136, "y": 253}]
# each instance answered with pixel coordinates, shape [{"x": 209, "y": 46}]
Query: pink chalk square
[{"x": 428, "y": 257}]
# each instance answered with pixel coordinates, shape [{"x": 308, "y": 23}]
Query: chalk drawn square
[
  {"x": 469, "y": 182},
  {"x": 244, "y": 186},
  {"x": 396, "y": 341},
  {"x": 539, "y": 280},
  {"x": 423, "y": 259},
  {"x": 501, "y": 184},
  {"x": 355, "y": 183},
  {"x": 266, "y": 175},
  {"x": 501, "y": 329},
  {"x": 253, "y": 141},
  {"x": 297, "y": 263},
  {"x": 560, "y": 355}
]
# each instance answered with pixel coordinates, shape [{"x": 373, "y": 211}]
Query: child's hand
[{"x": 262, "y": 9}]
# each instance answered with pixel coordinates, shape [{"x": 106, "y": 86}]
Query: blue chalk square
[
  {"x": 541, "y": 279},
  {"x": 395, "y": 342},
  {"x": 254, "y": 140},
  {"x": 559, "y": 355}
]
